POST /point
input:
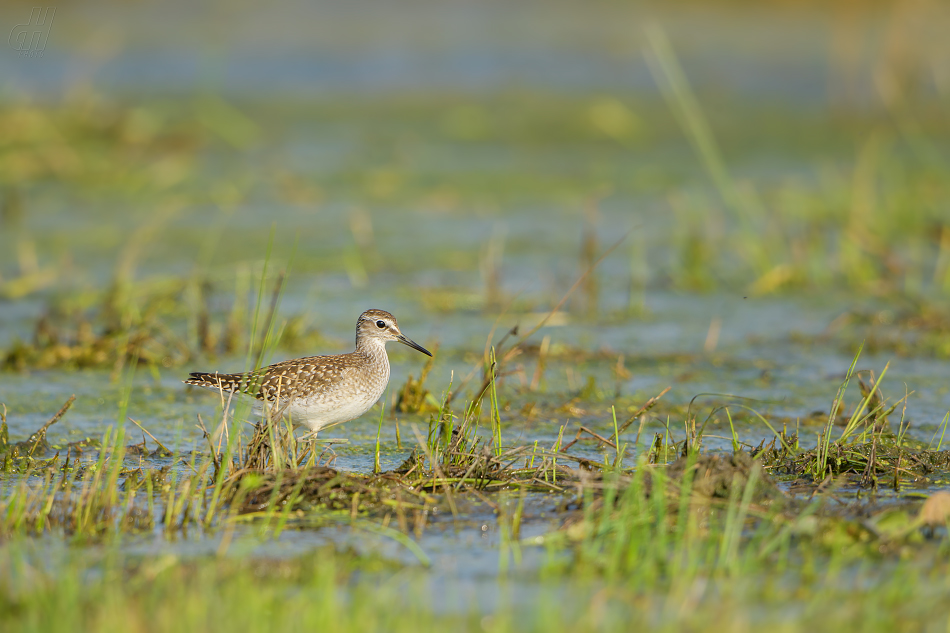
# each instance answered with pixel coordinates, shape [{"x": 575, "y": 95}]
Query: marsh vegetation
[{"x": 690, "y": 332}]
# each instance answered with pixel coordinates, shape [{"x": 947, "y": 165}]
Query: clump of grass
[
  {"x": 871, "y": 464},
  {"x": 866, "y": 447},
  {"x": 323, "y": 488},
  {"x": 22, "y": 457}
]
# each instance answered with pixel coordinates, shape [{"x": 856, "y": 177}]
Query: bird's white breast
[{"x": 356, "y": 394}]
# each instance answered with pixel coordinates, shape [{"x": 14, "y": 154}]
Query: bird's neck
[
  {"x": 372, "y": 347},
  {"x": 374, "y": 351}
]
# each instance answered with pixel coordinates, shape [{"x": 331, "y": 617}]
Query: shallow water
[{"x": 755, "y": 358}]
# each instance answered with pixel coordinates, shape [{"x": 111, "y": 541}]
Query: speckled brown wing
[{"x": 297, "y": 378}]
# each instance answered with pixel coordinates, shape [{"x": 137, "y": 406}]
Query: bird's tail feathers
[{"x": 230, "y": 383}]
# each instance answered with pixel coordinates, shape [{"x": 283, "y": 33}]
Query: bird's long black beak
[{"x": 407, "y": 341}]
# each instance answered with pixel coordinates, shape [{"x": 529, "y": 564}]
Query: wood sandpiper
[{"x": 320, "y": 391}]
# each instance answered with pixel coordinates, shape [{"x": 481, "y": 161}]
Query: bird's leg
[
  {"x": 308, "y": 437},
  {"x": 332, "y": 458}
]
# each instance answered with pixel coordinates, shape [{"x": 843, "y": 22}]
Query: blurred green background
[{"x": 768, "y": 184}]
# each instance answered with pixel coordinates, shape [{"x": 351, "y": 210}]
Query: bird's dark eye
[{"x": 380, "y": 324}]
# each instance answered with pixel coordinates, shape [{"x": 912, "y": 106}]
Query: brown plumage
[{"x": 320, "y": 391}]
